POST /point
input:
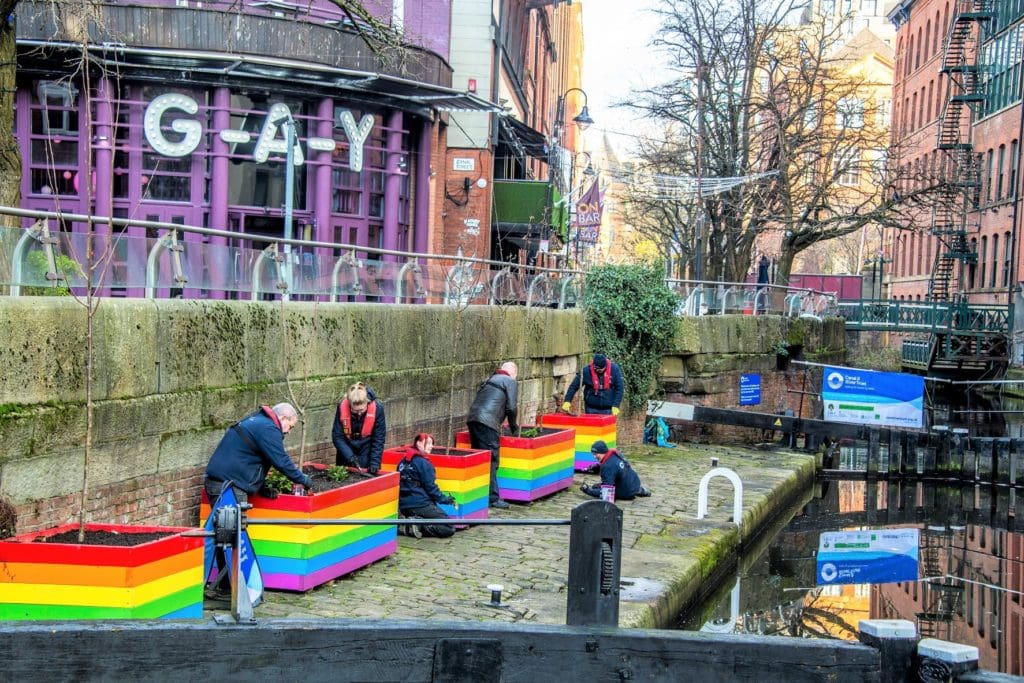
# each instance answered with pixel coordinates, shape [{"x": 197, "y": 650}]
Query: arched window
[
  {"x": 931, "y": 92},
  {"x": 927, "y": 39},
  {"x": 999, "y": 173},
  {"x": 1011, "y": 189},
  {"x": 1007, "y": 255},
  {"x": 982, "y": 255},
  {"x": 989, "y": 161},
  {"x": 938, "y": 32},
  {"x": 972, "y": 269},
  {"x": 913, "y": 112},
  {"x": 995, "y": 261},
  {"x": 910, "y": 56}
]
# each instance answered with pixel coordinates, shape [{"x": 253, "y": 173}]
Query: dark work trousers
[
  {"x": 483, "y": 437},
  {"x": 431, "y": 512},
  {"x": 596, "y": 411},
  {"x": 214, "y": 487}
]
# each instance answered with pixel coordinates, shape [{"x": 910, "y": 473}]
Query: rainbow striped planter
[
  {"x": 161, "y": 579},
  {"x": 589, "y": 428},
  {"x": 299, "y": 558},
  {"x": 465, "y": 474},
  {"x": 531, "y": 468}
]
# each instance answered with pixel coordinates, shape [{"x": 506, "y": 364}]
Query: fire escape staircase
[
  {"x": 942, "y": 597},
  {"x": 957, "y": 190}
]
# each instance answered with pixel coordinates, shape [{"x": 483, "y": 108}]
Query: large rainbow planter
[
  {"x": 462, "y": 473},
  {"x": 531, "y": 468},
  {"x": 299, "y": 558},
  {"x": 162, "y": 578},
  {"x": 589, "y": 428}
]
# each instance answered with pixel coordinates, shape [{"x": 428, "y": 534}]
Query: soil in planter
[
  {"x": 322, "y": 480},
  {"x": 8, "y": 519},
  {"x": 100, "y": 537},
  {"x": 532, "y": 432}
]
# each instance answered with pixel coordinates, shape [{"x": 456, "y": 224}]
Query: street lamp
[
  {"x": 582, "y": 121},
  {"x": 289, "y": 194}
]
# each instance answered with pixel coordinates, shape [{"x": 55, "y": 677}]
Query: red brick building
[{"x": 956, "y": 125}]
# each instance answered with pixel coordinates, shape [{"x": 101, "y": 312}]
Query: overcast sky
[{"x": 616, "y": 58}]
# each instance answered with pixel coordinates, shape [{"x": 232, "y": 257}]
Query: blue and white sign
[
  {"x": 250, "y": 567},
  {"x": 882, "y": 556},
  {"x": 750, "y": 390},
  {"x": 885, "y": 399}
]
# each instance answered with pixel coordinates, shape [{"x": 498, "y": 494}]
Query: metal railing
[
  {"x": 153, "y": 259},
  {"x": 932, "y": 316}
]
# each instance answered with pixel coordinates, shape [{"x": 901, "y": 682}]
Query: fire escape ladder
[{"x": 940, "y": 597}]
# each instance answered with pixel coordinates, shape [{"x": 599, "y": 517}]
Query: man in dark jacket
[
  {"x": 359, "y": 429},
  {"x": 418, "y": 494},
  {"x": 496, "y": 400},
  {"x": 249, "y": 449},
  {"x": 615, "y": 471},
  {"x": 602, "y": 387}
]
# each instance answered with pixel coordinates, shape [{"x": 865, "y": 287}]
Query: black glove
[
  {"x": 514, "y": 429},
  {"x": 373, "y": 470},
  {"x": 308, "y": 483},
  {"x": 267, "y": 492},
  {"x": 589, "y": 490},
  {"x": 593, "y": 469},
  {"x": 447, "y": 500}
]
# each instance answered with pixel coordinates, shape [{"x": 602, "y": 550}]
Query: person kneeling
[
  {"x": 615, "y": 471},
  {"x": 418, "y": 494}
]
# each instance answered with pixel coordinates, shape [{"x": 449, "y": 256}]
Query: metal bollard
[{"x": 595, "y": 562}]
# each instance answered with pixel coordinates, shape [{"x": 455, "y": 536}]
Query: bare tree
[{"x": 766, "y": 94}]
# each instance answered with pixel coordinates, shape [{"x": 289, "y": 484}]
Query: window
[
  {"x": 989, "y": 160},
  {"x": 869, "y": 7},
  {"x": 1007, "y": 248},
  {"x": 999, "y": 177},
  {"x": 972, "y": 269},
  {"x": 850, "y": 112},
  {"x": 58, "y": 102},
  {"x": 995, "y": 261},
  {"x": 847, "y": 166},
  {"x": 1011, "y": 189},
  {"x": 982, "y": 255},
  {"x": 884, "y": 112}
]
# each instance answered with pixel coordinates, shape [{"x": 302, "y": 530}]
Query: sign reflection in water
[{"x": 971, "y": 589}]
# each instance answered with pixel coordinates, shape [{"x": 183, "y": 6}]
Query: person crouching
[
  {"x": 615, "y": 471},
  {"x": 418, "y": 494}
]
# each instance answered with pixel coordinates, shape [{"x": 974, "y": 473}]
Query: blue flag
[{"x": 250, "y": 567}]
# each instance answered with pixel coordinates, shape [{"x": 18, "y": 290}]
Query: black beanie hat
[
  {"x": 599, "y": 447},
  {"x": 600, "y": 360}
]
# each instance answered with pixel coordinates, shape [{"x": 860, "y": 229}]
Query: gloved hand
[
  {"x": 308, "y": 483},
  {"x": 589, "y": 490},
  {"x": 267, "y": 492},
  {"x": 373, "y": 470},
  {"x": 567, "y": 407},
  {"x": 593, "y": 469},
  {"x": 447, "y": 500},
  {"x": 615, "y": 410},
  {"x": 514, "y": 429}
]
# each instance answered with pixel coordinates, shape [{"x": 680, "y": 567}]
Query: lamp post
[
  {"x": 289, "y": 195},
  {"x": 582, "y": 121},
  {"x": 588, "y": 172}
]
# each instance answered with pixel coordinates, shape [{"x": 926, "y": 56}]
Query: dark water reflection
[{"x": 971, "y": 564}]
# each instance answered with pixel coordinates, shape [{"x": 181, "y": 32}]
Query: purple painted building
[{"x": 185, "y": 110}]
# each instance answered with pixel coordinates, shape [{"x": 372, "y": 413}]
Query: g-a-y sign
[{"x": 272, "y": 139}]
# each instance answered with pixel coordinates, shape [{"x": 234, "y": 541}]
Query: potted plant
[
  {"x": 535, "y": 463},
  {"x": 301, "y": 557},
  {"x": 462, "y": 473},
  {"x": 115, "y": 572},
  {"x": 589, "y": 428}
]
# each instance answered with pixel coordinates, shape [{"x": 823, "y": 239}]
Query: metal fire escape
[
  {"x": 942, "y": 597},
  {"x": 964, "y": 96}
]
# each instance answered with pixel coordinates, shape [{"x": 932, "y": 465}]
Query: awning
[
  {"x": 521, "y": 208},
  {"x": 521, "y": 136}
]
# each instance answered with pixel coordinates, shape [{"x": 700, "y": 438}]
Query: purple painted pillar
[
  {"x": 421, "y": 218},
  {"x": 103, "y": 145},
  {"x": 392, "y": 180},
  {"x": 219, "y": 264},
  {"x": 323, "y": 228}
]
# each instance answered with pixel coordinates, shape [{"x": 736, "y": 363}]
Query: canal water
[{"x": 971, "y": 569}]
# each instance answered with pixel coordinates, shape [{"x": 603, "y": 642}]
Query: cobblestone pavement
[{"x": 446, "y": 579}]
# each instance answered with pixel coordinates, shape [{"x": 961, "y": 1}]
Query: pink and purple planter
[
  {"x": 160, "y": 578},
  {"x": 589, "y": 428},
  {"x": 299, "y": 558},
  {"x": 533, "y": 467},
  {"x": 464, "y": 474}
]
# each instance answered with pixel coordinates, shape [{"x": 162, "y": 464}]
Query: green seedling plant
[
  {"x": 278, "y": 482},
  {"x": 337, "y": 473}
]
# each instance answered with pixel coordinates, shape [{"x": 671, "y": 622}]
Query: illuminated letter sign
[
  {"x": 192, "y": 130},
  {"x": 269, "y": 142},
  {"x": 357, "y": 137}
]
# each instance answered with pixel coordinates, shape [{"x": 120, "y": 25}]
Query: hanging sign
[
  {"x": 885, "y": 399},
  {"x": 880, "y": 556},
  {"x": 588, "y": 214}
]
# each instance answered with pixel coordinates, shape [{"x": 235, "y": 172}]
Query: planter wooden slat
[
  {"x": 533, "y": 467},
  {"x": 299, "y": 558},
  {"x": 589, "y": 428},
  {"x": 162, "y": 578}
]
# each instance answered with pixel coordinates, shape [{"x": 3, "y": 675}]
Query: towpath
[{"x": 667, "y": 554}]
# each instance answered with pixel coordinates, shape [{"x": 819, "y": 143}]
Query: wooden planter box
[
  {"x": 159, "y": 579},
  {"x": 464, "y": 474},
  {"x": 531, "y": 468},
  {"x": 299, "y": 558},
  {"x": 589, "y": 428}
]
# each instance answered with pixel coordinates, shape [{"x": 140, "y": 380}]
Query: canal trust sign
[{"x": 271, "y": 139}]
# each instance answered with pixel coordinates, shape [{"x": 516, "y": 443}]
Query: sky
[{"x": 616, "y": 58}]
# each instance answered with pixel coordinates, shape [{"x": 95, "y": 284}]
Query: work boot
[
  {"x": 644, "y": 493},
  {"x": 499, "y": 504},
  {"x": 416, "y": 531}
]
